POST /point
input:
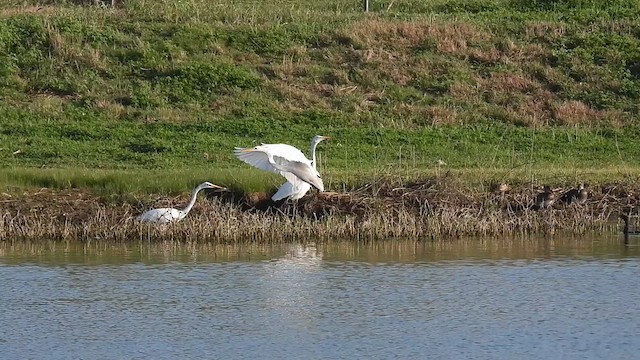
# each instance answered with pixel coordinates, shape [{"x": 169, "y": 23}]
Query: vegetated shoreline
[{"x": 437, "y": 208}]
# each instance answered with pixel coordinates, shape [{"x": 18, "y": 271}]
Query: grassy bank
[
  {"x": 176, "y": 85},
  {"x": 325, "y": 65},
  {"x": 150, "y": 97},
  {"x": 116, "y": 185}
]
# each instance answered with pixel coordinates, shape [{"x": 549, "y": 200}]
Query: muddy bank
[{"x": 434, "y": 208}]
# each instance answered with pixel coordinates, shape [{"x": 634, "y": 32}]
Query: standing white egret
[
  {"x": 282, "y": 159},
  {"x": 291, "y": 191},
  {"x": 167, "y": 215}
]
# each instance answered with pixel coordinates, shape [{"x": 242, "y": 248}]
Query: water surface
[{"x": 480, "y": 299}]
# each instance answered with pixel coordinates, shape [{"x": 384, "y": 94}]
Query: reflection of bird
[
  {"x": 167, "y": 215},
  {"x": 578, "y": 195},
  {"x": 282, "y": 159},
  {"x": 291, "y": 191},
  {"x": 625, "y": 230},
  {"x": 545, "y": 199}
]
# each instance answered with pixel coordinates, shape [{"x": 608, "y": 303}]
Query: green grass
[
  {"x": 161, "y": 91},
  {"x": 127, "y": 182}
]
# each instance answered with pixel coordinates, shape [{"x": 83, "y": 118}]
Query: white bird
[
  {"x": 167, "y": 215},
  {"x": 282, "y": 159},
  {"x": 288, "y": 189}
]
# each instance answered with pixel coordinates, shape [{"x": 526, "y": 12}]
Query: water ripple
[{"x": 307, "y": 304}]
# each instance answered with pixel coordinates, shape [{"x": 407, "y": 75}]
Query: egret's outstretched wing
[
  {"x": 293, "y": 189},
  {"x": 301, "y": 169},
  {"x": 288, "y": 190},
  {"x": 293, "y": 167},
  {"x": 285, "y": 191},
  {"x": 301, "y": 190},
  {"x": 259, "y": 156},
  {"x": 286, "y": 151},
  {"x": 258, "y": 159}
]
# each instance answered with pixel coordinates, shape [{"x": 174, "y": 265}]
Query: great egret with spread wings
[
  {"x": 285, "y": 160},
  {"x": 167, "y": 215},
  {"x": 295, "y": 192}
]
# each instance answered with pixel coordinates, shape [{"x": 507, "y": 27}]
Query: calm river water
[{"x": 476, "y": 299}]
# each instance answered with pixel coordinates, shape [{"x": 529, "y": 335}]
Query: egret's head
[
  {"x": 255, "y": 148},
  {"x": 208, "y": 185},
  {"x": 316, "y": 139}
]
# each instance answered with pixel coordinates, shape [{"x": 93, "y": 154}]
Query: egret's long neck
[
  {"x": 314, "y": 144},
  {"x": 193, "y": 200}
]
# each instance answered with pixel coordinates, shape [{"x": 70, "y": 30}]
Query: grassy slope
[{"x": 550, "y": 88}]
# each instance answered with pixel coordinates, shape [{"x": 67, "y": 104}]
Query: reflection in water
[
  {"x": 97, "y": 253},
  {"x": 562, "y": 298},
  {"x": 288, "y": 286}
]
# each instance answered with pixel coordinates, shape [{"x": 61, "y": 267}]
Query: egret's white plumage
[
  {"x": 296, "y": 191},
  {"x": 285, "y": 160},
  {"x": 167, "y": 215}
]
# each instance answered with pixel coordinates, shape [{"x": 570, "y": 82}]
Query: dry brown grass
[
  {"x": 386, "y": 49},
  {"x": 578, "y": 113},
  {"x": 548, "y": 31},
  {"x": 435, "y": 208},
  {"x": 75, "y": 52},
  {"x": 509, "y": 82},
  {"x": 573, "y": 113},
  {"x": 425, "y": 55},
  {"x": 385, "y": 40},
  {"x": 115, "y": 110},
  {"x": 529, "y": 112},
  {"x": 448, "y": 37},
  {"x": 22, "y": 10},
  {"x": 299, "y": 98},
  {"x": 442, "y": 115}
]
